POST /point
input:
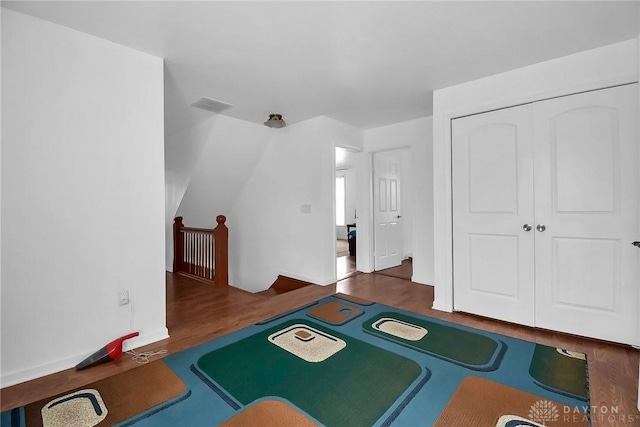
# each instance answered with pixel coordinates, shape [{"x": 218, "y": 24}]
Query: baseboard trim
[
  {"x": 146, "y": 339},
  {"x": 313, "y": 280},
  {"x": 441, "y": 306},
  {"x": 24, "y": 375}
]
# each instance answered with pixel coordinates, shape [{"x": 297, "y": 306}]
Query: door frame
[
  {"x": 364, "y": 220},
  {"x": 373, "y": 199},
  {"x": 505, "y": 90},
  {"x": 365, "y": 205}
]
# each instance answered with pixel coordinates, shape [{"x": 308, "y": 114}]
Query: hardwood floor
[
  {"x": 403, "y": 271},
  {"x": 197, "y": 312},
  {"x": 345, "y": 267}
]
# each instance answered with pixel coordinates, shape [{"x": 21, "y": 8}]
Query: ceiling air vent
[{"x": 211, "y": 104}]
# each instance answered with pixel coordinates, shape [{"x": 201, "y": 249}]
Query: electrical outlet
[{"x": 123, "y": 298}]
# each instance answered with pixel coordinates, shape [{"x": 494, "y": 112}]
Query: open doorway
[{"x": 346, "y": 213}]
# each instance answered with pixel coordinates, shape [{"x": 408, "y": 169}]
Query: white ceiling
[{"x": 368, "y": 64}]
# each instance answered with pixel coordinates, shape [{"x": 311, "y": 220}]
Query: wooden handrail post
[
  {"x": 192, "y": 251},
  {"x": 221, "y": 239},
  {"x": 177, "y": 244}
]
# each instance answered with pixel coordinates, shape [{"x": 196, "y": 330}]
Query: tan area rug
[
  {"x": 481, "y": 402},
  {"x": 118, "y": 398},
  {"x": 342, "y": 247}
]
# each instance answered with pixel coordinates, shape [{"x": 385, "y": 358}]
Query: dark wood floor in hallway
[
  {"x": 345, "y": 267},
  {"x": 197, "y": 312}
]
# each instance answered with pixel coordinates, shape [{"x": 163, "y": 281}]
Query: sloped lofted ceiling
[{"x": 367, "y": 64}]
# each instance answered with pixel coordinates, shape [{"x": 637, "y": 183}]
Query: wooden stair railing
[{"x": 202, "y": 253}]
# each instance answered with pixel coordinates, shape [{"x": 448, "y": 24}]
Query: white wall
[
  {"x": 592, "y": 69},
  {"x": 365, "y": 246},
  {"x": 406, "y": 201},
  {"x": 188, "y": 131},
  {"x": 638, "y": 45},
  {"x": 343, "y": 135},
  {"x": 259, "y": 178},
  {"x": 182, "y": 150},
  {"x": 0, "y": 185},
  {"x": 423, "y": 229},
  {"x": 231, "y": 150},
  {"x": 416, "y": 135},
  {"x": 270, "y": 234},
  {"x": 82, "y": 196}
]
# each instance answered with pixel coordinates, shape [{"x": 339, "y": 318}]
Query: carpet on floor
[
  {"x": 341, "y": 361},
  {"x": 342, "y": 247}
]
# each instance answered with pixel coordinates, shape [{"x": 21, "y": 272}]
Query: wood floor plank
[{"x": 197, "y": 312}]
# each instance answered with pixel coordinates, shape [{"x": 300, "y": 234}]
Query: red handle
[{"x": 114, "y": 348}]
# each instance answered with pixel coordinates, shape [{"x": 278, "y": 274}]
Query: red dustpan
[{"x": 111, "y": 351}]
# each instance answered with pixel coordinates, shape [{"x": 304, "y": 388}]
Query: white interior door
[
  {"x": 493, "y": 215},
  {"x": 587, "y": 199},
  {"x": 386, "y": 212}
]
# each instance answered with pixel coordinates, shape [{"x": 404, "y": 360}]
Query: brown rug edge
[
  {"x": 269, "y": 413},
  {"x": 479, "y": 401},
  {"x": 155, "y": 382},
  {"x": 353, "y": 299},
  {"x": 330, "y": 312}
]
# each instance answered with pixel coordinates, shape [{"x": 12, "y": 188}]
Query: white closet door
[
  {"x": 587, "y": 197},
  {"x": 492, "y": 209}
]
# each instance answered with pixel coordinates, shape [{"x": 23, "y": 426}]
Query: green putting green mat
[
  {"x": 560, "y": 371},
  {"x": 456, "y": 345},
  {"x": 337, "y": 362},
  {"x": 353, "y": 384}
]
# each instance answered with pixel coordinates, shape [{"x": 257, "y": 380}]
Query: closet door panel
[
  {"x": 584, "y": 159},
  {"x": 492, "y": 201},
  {"x": 587, "y": 197}
]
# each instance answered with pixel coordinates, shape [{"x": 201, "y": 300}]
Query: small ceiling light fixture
[{"x": 275, "y": 121}]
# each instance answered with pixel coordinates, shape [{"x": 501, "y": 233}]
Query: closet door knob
[
  {"x": 526, "y": 227},
  {"x": 541, "y": 227}
]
